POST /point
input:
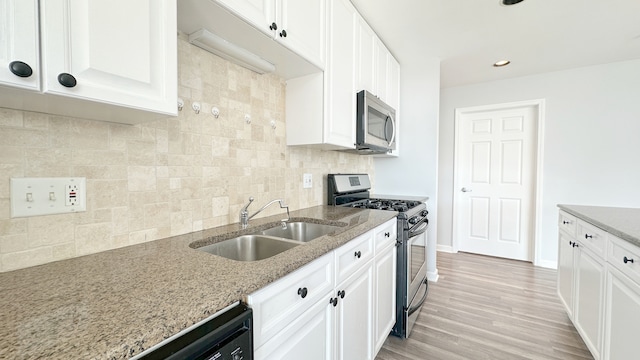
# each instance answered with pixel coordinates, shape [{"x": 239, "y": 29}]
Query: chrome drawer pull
[
  {"x": 588, "y": 236},
  {"x": 627, "y": 260},
  {"x": 566, "y": 222}
]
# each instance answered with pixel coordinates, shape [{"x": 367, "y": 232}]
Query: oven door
[
  {"x": 416, "y": 258},
  {"x": 416, "y": 273}
]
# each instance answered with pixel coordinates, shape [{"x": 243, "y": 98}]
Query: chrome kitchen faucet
[{"x": 244, "y": 214}]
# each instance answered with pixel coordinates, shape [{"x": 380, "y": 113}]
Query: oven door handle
[
  {"x": 424, "y": 297},
  {"x": 422, "y": 228}
]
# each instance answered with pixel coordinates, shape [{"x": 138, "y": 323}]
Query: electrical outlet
[
  {"x": 307, "y": 181},
  {"x": 45, "y": 196},
  {"x": 71, "y": 194}
]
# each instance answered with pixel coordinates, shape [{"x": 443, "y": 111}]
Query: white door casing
[{"x": 497, "y": 155}]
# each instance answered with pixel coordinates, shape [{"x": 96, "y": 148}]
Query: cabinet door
[
  {"x": 589, "y": 293},
  {"x": 354, "y": 321},
  {"x": 279, "y": 304},
  {"x": 393, "y": 85},
  {"x": 119, "y": 51},
  {"x": 259, "y": 13},
  {"x": 310, "y": 336},
  {"x": 19, "y": 43},
  {"x": 383, "y": 71},
  {"x": 304, "y": 26},
  {"x": 366, "y": 58},
  {"x": 340, "y": 115},
  {"x": 622, "y": 317},
  {"x": 566, "y": 271},
  {"x": 385, "y": 295}
]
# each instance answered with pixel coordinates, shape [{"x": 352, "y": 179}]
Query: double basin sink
[{"x": 266, "y": 243}]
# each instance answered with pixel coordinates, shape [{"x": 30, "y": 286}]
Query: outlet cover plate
[
  {"x": 46, "y": 196},
  {"x": 307, "y": 181}
]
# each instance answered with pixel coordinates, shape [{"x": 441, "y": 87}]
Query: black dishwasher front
[{"x": 227, "y": 336}]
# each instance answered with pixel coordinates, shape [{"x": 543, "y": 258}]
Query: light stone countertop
[
  {"x": 621, "y": 222},
  {"x": 115, "y": 304}
]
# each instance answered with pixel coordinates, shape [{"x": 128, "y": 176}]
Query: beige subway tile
[
  {"x": 181, "y": 222},
  {"x": 13, "y": 243},
  {"x": 13, "y": 226},
  {"x": 105, "y": 194},
  {"x": 93, "y": 238},
  {"x": 120, "y": 220},
  {"x": 64, "y": 251},
  {"x": 157, "y": 215},
  {"x": 23, "y": 259},
  {"x": 50, "y": 230},
  {"x": 141, "y": 178}
]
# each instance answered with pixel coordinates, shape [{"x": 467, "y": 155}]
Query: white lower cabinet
[
  {"x": 589, "y": 290},
  {"x": 622, "y": 309},
  {"x": 354, "y": 316},
  {"x": 309, "y": 336},
  {"x": 384, "y": 316},
  {"x": 599, "y": 285},
  {"x": 581, "y": 278},
  {"x": 622, "y": 324},
  {"x": 305, "y": 315}
]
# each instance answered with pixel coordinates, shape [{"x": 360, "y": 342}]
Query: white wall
[
  {"x": 591, "y": 140},
  {"x": 415, "y": 171}
]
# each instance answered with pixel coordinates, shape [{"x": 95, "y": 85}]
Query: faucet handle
[{"x": 244, "y": 209}]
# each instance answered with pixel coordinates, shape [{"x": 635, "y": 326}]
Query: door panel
[
  {"x": 128, "y": 65},
  {"x": 496, "y": 164},
  {"x": 19, "y": 42}
]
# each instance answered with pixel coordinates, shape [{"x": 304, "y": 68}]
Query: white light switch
[
  {"x": 307, "y": 181},
  {"x": 45, "y": 196}
]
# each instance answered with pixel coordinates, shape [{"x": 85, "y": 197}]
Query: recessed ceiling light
[
  {"x": 501, "y": 63},
  {"x": 510, "y": 2}
]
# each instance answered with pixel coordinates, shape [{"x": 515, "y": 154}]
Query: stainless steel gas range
[{"x": 412, "y": 286}]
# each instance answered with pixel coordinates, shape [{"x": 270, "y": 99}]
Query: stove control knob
[
  {"x": 424, "y": 213},
  {"x": 413, "y": 220}
]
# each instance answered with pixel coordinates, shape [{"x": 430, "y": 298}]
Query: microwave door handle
[{"x": 393, "y": 126}]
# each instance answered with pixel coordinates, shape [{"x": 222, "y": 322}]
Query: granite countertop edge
[
  {"x": 76, "y": 308},
  {"x": 621, "y": 222}
]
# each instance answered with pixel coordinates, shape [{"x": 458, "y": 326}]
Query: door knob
[{"x": 464, "y": 189}]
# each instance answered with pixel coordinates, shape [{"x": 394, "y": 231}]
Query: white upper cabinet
[
  {"x": 19, "y": 60},
  {"x": 301, "y": 28},
  {"x": 367, "y": 57},
  {"x": 340, "y": 126},
  {"x": 260, "y": 13},
  {"x": 112, "y": 60},
  {"x": 111, "y": 51},
  {"x": 298, "y": 25}
]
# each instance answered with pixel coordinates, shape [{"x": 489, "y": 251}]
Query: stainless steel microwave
[{"x": 375, "y": 125}]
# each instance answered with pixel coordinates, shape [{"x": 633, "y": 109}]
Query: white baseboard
[
  {"x": 433, "y": 276},
  {"x": 445, "y": 248},
  {"x": 546, "y": 264}
]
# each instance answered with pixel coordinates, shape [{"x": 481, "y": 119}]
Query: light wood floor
[{"x": 489, "y": 308}]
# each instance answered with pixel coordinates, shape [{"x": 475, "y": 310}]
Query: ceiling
[{"x": 537, "y": 36}]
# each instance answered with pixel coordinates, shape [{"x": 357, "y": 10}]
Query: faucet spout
[{"x": 245, "y": 217}]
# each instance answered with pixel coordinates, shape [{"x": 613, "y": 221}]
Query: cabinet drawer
[
  {"x": 385, "y": 234},
  {"x": 618, "y": 251},
  {"x": 352, "y": 255},
  {"x": 567, "y": 223},
  {"x": 280, "y": 303},
  {"x": 592, "y": 237}
]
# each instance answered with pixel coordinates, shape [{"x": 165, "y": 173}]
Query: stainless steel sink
[
  {"x": 300, "y": 230},
  {"x": 249, "y": 247}
]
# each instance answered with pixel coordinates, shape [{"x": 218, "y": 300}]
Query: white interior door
[{"x": 496, "y": 167}]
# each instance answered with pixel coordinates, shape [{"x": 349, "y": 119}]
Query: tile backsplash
[{"x": 162, "y": 178}]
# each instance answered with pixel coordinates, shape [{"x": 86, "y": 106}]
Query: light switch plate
[{"x": 46, "y": 196}]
